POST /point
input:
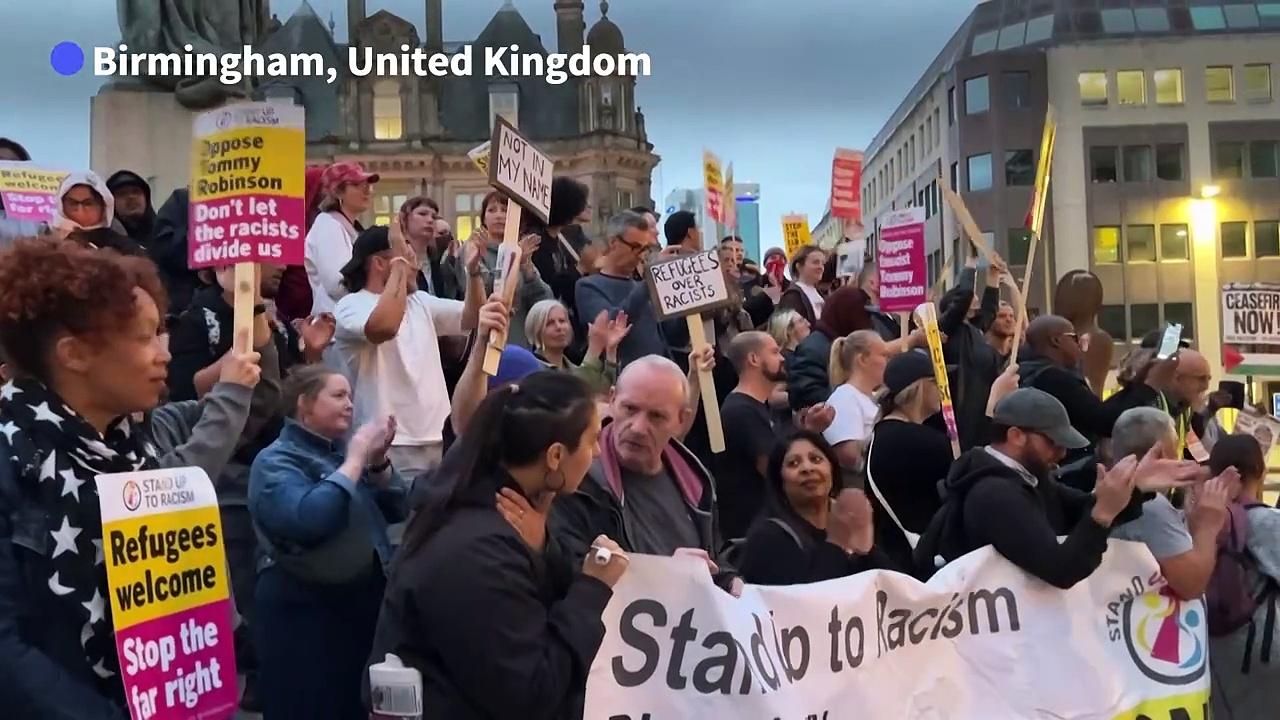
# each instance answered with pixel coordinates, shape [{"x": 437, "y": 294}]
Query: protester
[
  {"x": 808, "y": 379},
  {"x": 486, "y": 240},
  {"x": 681, "y": 231},
  {"x": 558, "y": 255},
  {"x": 963, "y": 319},
  {"x": 387, "y": 337},
  {"x": 169, "y": 251},
  {"x": 85, "y": 213},
  {"x": 1246, "y": 683},
  {"x": 788, "y": 328},
  {"x": 10, "y": 228},
  {"x": 321, "y": 506},
  {"x": 550, "y": 334},
  {"x": 616, "y": 289},
  {"x": 1051, "y": 363},
  {"x": 1000, "y": 334},
  {"x": 1186, "y": 549},
  {"x": 807, "y": 266},
  {"x": 857, "y": 371},
  {"x": 737, "y": 254},
  {"x": 670, "y": 497},
  {"x": 437, "y": 263},
  {"x": 1184, "y": 393},
  {"x": 347, "y": 194},
  {"x": 295, "y": 300},
  {"x": 133, "y": 207},
  {"x": 650, "y": 217},
  {"x": 750, "y": 431},
  {"x": 83, "y": 331},
  {"x": 811, "y": 529},
  {"x": 1004, "y": 495},
  {"x": 906, "y": 459},
  {"x": 481, "y": 600}
]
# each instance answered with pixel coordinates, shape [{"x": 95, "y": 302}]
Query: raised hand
[
  {"x": 241, "y": 368},
  {"x": 614, "y": 566},
  {"x": 817, "y": 418},
  {"x": 850, "y": 524},
  {"x": 1113, "y": 490},
  {"x": 1157, "y": 474}
]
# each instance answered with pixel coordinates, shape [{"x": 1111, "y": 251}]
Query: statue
[
  {"x": 216, "y": 26},
  {"x": 1078, "y": 298}
]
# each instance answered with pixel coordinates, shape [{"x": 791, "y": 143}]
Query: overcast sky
[{"x": 718, "y": 78}]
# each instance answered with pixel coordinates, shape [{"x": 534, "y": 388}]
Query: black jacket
[
  {"x": 789, "y": 551},
  {"x": 977, "y": 362},
  {"x": 1093, "y": 417},
  {"x": 139, "y": 229},
  {"x": 168, "y": 249},
  {"x": 808, "y": 381},
  {"x": 998, "y": 507},
  {"x": 108, "y": 239},
  {"x": 495, "y": 631},
  {"x": 594, "y": 510}
]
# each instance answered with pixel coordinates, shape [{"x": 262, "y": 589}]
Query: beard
[
  {"x": 776, "y": 376},
  {"x": 1039, "y": 468}
]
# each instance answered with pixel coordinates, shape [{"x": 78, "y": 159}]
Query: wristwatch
[
  {"x": 259, "y": 309},
  {"x": 381, "y": 467}
]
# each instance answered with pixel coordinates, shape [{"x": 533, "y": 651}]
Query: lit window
[
  {"x": 504, "y": 101},
  {"x": 468, "y": 211},
  {"x": 1257, "y": 82},
  {"x": 1131, "y": 87},
  {"x": 1263, "y": 160},
  {"x": 1140, "y": 243},
  {"x": 977, "y": 98},
  {"x": 1173, "y": 242},
  {"x": 1117, "y": 20},
  {"x": 1106, "y": 244},
  {"x": 1218, "y": 86},
  {"x": 984, "y": 42},
  {"x": 1144, "y": 318},
  {"x": 385, "y": 206},
  {"x": 1208, "y": 17},
  {"x": 1152, "y": 19},
  {"x": 1017, "y": 90},
  {"x": 1093, "y": 88},
  {"x": 1137, "y": 163},
  {"x": 1169, "y": 86},
  {"x": 1012, "y": 36},
  {"x": 1229, "y": 160},
  {"x": 1266, "y": 238},
  {"x": 1039, "y": 29},
  {"x": 1019, "y": 167},
  {"x": 1235, "y": 242},
  {"x": 388, "y": 122},
  {"x": 1241, "y": 16},
  {"x": 1169, "y": 161},
  {"x": 979, "y": 172},
  {"x": 1102, "y": 164}
]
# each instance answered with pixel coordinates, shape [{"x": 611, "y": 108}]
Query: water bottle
[{"x": 395, "y": 690}]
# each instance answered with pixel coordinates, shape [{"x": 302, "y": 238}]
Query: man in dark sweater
[
  {"x": 1007, "y": 497},
  {"x": 963, "y": 319},
  {"x": 615, "y": 288}
]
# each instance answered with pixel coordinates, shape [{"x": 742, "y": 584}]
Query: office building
[
  {"x": 746, "y": 201},
  {"x": 1164, "y": 179}
]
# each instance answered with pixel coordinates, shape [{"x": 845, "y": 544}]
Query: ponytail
[
  {"x": 843, "y": 352},
  {"x": 837, "y": 367}
]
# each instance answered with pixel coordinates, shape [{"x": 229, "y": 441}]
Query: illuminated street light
[{"x": 1210, "y": 191}]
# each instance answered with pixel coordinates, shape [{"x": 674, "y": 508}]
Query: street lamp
[{"x": 1210, "y": 191}]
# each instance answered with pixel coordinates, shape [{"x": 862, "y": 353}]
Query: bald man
[
  {"x": 1051, "y": 363},
  {"x": 670, "y": 498}
]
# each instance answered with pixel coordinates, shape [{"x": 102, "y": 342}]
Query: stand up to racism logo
[{"x": 1163, "y": 636}]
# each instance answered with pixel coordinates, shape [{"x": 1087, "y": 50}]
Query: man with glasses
[
  {"x": 617, "y": 287},
  {"x": 1052, "y": 364},
  {"x": 1005, "y": 495}
]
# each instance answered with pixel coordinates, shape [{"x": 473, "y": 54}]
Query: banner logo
[
  {"x": 1163, "y": 635},
  {"x": 131, "y": 494}
]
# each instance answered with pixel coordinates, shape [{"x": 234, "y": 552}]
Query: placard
[
  {"x": 247, "y": 187},
  {"x": 479, "y": 156},
  {"x": 713, "y": 186},
  {"x": 1264, "y": 428},
  {"x": 688, "y": 284},
  {"x": 900, "y": 260},
  {"x": 520, "y": 170},
  {"x": 29, "y": 192},
  {"x": 162, "y": 543},
  {"x": 795, "y": 232},
  {"x": 982, "y": 640},
  {"x": 1251, "y": 313},
  {"x": 927, "y": 314},
  {"x": 846, "y": 185}
]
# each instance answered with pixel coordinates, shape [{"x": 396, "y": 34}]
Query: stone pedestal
[{"x": 141, "y": 129}]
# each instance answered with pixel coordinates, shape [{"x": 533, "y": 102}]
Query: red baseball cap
[{"x": 345, "y": 173}]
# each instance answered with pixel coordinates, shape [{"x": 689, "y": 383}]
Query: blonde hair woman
[
  {"x": 550, "y": 333},
  {"x": 856, "y": 371},
  {"x": 788, "y": 328}
]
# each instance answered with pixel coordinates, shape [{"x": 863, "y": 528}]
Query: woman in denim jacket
[{"x": 321, "y": 508}]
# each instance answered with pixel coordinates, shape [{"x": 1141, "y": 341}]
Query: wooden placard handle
[
  {"x": 510, "y": 278},
  {"x": 706, "y": 385},
  {"x": 246, "y": 281}
]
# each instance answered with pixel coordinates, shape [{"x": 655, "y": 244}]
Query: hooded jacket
[
  {"x": 169, "y": 251},
  {"x": 140, "y": 229},
  {"x": 977, "y": 363},
  {"x": 1093, "y": 417},
  {"x": 102, "y": 235},
  {"x": 596, "y": 508},
  {"x": 1002, "y": 508}
]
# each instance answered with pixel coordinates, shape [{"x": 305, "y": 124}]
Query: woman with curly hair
[{"x": 82, "y": 331}]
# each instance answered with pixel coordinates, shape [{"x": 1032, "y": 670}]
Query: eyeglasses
[
  {"x": 1075, "y": 337},
  {"x": 91, "y": 203}
]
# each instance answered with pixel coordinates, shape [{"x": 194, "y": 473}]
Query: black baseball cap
[
  {"x": 906, "y": 368},
  {"x": 1036, "y": 410},
  {"x": 368, "y": 243}
]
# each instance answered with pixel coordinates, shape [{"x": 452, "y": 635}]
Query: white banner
[
  {"x": 1251, "y": 314},
  {"x": 981, "y": 640}
]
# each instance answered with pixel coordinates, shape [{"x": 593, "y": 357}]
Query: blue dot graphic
[
  {"x": 1192, "y": 618},
  {"x": 66, "y": 58}
]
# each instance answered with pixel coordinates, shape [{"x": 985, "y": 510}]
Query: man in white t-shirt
[{"x": 388, "y": 334}]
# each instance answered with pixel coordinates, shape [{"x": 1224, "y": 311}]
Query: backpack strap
[
  {"x": 787, "y": 529},
  {"x": 913, "y": 539}
]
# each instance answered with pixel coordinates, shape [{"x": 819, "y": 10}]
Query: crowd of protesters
[{"x": 381, "y": 494}]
